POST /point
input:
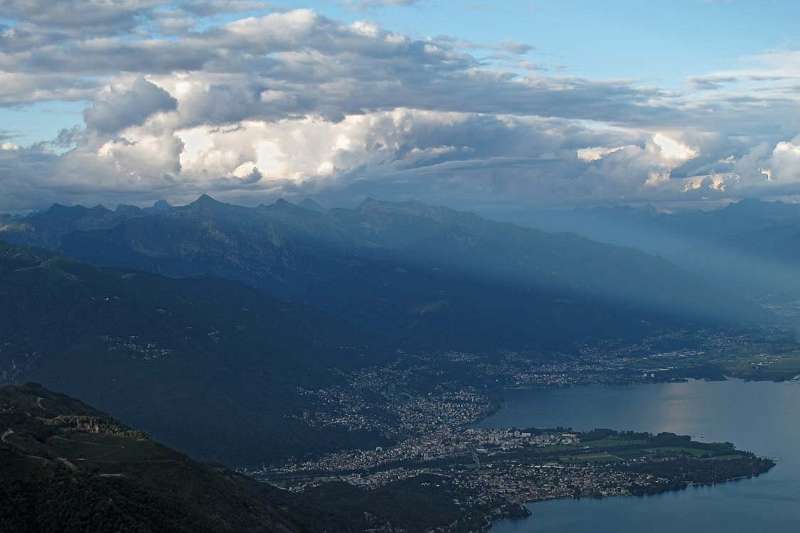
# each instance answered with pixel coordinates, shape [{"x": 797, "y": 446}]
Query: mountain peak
[
  {"x": 70, "y": 213},
  {"x": 206, "y": 199},
  {"x": 62, "y": 209},
  {"x": 311, "y": 205},
  {"x": 206, "y": 202},
  {"x": 281, "y": 205},
  {"x": 286, "y": 207}
]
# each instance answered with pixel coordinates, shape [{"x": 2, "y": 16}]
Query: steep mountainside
[
  {"x": 69, "y": 468},
  {"x": 211, "y": 367}
]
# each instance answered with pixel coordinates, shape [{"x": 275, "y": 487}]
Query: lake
[{"x": 760, "y": 417}]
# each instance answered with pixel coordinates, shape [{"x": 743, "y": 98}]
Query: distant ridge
[
  {"x": 427, "y": 277},
  {"x": 750, "y": 247},
  {"x": 312, "y": 205}
]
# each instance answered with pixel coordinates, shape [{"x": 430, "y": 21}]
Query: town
[{"x": 429, "y": 407}]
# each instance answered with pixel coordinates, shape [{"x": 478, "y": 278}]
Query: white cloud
[
  {"x": 672, "y": 149},
  {"x": 596, "y": 153},
  {"x": 784, "y": 166}
]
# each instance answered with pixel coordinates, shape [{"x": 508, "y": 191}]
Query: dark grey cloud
[
  {"x": 517, "y": 48},
  {"x": 119, "y": 108},
  {"x": 18, "y": 88},
  {"x": 710, "y": 83},
  {"x": 83, "y": 16},
  {"x": 351, "y": 68}
]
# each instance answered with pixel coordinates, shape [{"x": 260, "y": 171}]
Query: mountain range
[
  {"x": 425, "y": 277},
  {"x": 203, "y": 324}
]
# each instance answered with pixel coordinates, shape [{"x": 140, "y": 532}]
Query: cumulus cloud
[{"x": 786, "y": 160}]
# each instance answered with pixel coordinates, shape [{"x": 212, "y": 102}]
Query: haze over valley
[{"x": 399, "y": 266}]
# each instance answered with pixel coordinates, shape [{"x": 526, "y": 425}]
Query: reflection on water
[{"x": 761, "y": 417}]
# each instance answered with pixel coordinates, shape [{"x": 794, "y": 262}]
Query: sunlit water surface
[{"x": 760, "y": 417}]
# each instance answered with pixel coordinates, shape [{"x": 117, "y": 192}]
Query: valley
[
  {"x": 367, "y": 375},
  {"x": 489, "y": 472}
]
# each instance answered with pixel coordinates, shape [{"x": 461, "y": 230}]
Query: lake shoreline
[{"x": 687, "y": 408}]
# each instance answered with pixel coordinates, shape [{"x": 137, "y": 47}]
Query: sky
[{"x": 459, "y": 102}]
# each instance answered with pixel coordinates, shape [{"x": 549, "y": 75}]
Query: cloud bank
[{"x": 284, "y": 103}]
